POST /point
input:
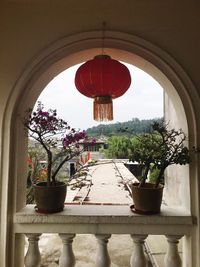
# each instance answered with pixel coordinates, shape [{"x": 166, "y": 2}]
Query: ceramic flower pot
[
  {"x": 50, "y": 199},
  {"x": 147, "y": 199}
]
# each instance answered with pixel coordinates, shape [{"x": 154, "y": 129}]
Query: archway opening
[
  {"x": 174, "y": 111},
  {"x": 133, "y": 113}
]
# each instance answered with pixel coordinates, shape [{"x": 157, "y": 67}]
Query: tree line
[{"x": 128, "y": 128}]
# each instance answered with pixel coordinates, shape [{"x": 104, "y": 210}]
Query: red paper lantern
[{"x": 103, "y": 79}]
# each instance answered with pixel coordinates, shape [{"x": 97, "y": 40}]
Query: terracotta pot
[
  {"x": 50, "y": 199},
  {"x": 147, "y": 199}
]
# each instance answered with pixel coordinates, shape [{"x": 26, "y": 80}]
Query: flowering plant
[{"x": 59, "y": 140}]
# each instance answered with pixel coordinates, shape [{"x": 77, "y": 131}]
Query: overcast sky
[{"x": 143, "y": 100}]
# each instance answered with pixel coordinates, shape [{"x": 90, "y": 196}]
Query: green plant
[
  {"x": 119, "y": 147},
  {"x": 160, "y": 148},
  {"x": 154, "y": 172}
]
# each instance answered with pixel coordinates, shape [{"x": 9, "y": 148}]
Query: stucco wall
[
  {"x": 27, "y": 27},
  {"x": 177, "y": 186}
]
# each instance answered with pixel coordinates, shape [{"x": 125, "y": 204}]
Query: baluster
[
  {"x": 172, "y": 257},
  {"x": 67, "y": 258},
  {"x": 102, "y": 257},
  {"x": 33, "y": 257},
  {"x": 138, "y": 258}
]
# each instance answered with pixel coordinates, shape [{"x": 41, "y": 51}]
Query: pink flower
[{"x": 49, "y": 130}]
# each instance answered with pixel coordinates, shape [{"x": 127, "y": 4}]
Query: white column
[
  {"x": 102, "y": 257},
  {"x": 67, "y": 258},
  {"x": 138, "y": 258},
  {"x": 172, "y": 257},
  {"x": 32, "y": 258}
]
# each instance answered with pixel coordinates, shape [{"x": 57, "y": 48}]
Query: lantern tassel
[{"x": 103, "y": 108}]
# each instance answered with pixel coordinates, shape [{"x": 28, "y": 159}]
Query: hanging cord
[{"x": 103, "y": 36}]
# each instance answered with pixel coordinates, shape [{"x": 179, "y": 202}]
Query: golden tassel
[{"x": 103, "y": 108}]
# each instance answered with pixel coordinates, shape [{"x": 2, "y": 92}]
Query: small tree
[
  {"x": 160, "y": 149},
  {"x": 59, "y": 140}
]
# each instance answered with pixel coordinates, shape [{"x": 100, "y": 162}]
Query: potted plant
[
  {"x": 60, "y": 143},
  {"x": 155, "y": 152}
]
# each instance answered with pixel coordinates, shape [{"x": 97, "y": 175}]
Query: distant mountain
[{"x": 132, "y": 127}]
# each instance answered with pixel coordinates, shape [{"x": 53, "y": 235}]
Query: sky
[{"x": 143, "y": 100}]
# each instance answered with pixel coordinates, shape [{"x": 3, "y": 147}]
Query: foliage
[
  {"x": 128, "y": 128},
  {"x": 119, "y": 147},
  {"x": 59, "y": 140},
  {"x": 154, "y": 172},
  {"x": 160, "y": 149}
]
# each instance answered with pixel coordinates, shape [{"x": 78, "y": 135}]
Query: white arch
[
  {"x": 61, "y": 55},
  {"x": 131, "y": 49}
]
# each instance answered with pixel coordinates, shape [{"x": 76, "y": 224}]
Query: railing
[{"x": 103, "y": 221}]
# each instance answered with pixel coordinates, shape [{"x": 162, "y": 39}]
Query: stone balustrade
[{"x": 103, "y": 221}]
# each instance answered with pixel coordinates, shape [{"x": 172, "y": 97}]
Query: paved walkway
[{"x": 107, "y": 186}]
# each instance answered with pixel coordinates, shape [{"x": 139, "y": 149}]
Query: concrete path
[{"x": 107, "y": 186}]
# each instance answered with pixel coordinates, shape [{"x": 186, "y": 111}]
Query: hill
[{"x": 132, "y": 127}]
